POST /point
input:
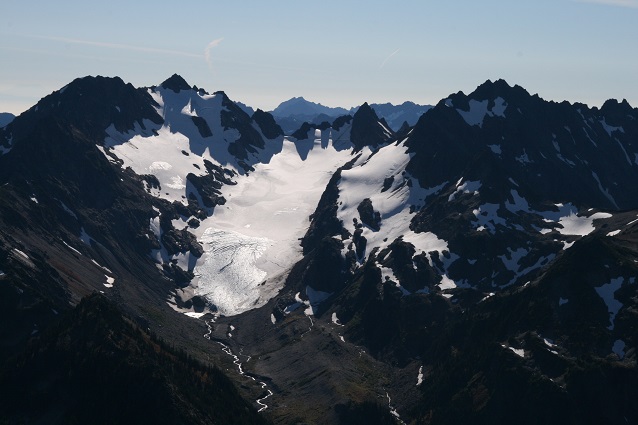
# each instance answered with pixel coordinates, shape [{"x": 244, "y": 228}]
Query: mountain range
[
  {"x": 475, "y": 265},
  {"x": 291, "y": 114}
]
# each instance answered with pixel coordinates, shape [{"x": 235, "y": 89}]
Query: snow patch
[
  {"x": 496, "y": 149},
  {"x": 466, "y": 187},
  {"x": 518, "y": 203},
  {"x": 572, "y": 224},
  {"x": 610, "y": 128},
  {"x": 446, "y": 283},
  {"x": 478, "y": 111},
  {"x": 515, "y": 256},
  {"x": 109, "y": 281},
  {"x": 71, "y": 248},
  {"x": 67, "y": 209},
  {"x": 524, "y": 158},
  {"x": 549, "y": 343},
  {"x": 314, "y": 299},
  {"x": 619, "y": 348},
  {"x": 603, "y": 190},
  {"x": 195, "y": 315},
  {"x": 606, "y": 292},
  {"x": 102, "y": 267},
  {"x": 518, "y": 351},
  {"x": 488, "y": 218},
  {"x": 84, "y": 237},
  {"x": 21, "y": 254}
]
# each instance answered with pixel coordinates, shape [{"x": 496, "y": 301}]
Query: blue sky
[{"x": 339, "y": 53}]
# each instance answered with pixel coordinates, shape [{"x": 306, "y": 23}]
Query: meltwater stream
[{"x": 226, "y": 349}]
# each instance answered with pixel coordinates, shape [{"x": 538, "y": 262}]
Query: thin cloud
[
  {"x": 118, "y": 46},
  {"x": 207, "y": 50},
  {"x": 388, "y": 58},
  {"x": 619, "y": 3}
]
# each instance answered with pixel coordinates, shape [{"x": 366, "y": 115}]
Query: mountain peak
[
  {"x": 497, "y": 88},
  {"x": 366, "y": 111},
  {"x": 613, "y": 106},
  {"x": 301, "y": 106},
  {"x": 176, "y": 83},
  {"x": 367, "y": 129}
]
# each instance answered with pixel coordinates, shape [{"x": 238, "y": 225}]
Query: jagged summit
[
  {"x": 617, "y": 111},
  {"x": 176, "y": 83},
  {"x": 368, "y": 129},
  {"x": 555, "y": 147},
  {"x": 93, "y": 103},
  {"x": 491, "y": 92},
  {"x": 267, "y": 123},
  {"x": 498, "y": 88}
]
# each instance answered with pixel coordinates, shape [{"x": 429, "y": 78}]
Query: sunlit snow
[
  {"x": 21, "y": 253},
  {"x": 228, "y": 276},
  {"x": 465, "y": 187},
  {"x": 109, "y": 281},
  {"x": 518, "y": 351},
  {"x": 570, "y": 222},
  {"x": 267, "y": 210},
  {"x": 102, "y": 267},
  {"x": 335, "y": 319},
  {"x": 393, "y": 204},
  {"x": 254, "y": 236},
  {"x": 194, "y": 314}
]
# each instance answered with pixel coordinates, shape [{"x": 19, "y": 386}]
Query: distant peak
[
  {"x": 301, "y": 106},
  {"x": 175, "y": 83}
]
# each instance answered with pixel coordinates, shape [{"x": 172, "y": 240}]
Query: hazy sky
[{"x": 339, "y": 53}]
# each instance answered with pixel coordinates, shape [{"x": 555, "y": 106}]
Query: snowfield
[
  {"x": 259, "y": 227},
  {"x": 253, "y": 239},
  {"x": 393, "y": 204}
]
